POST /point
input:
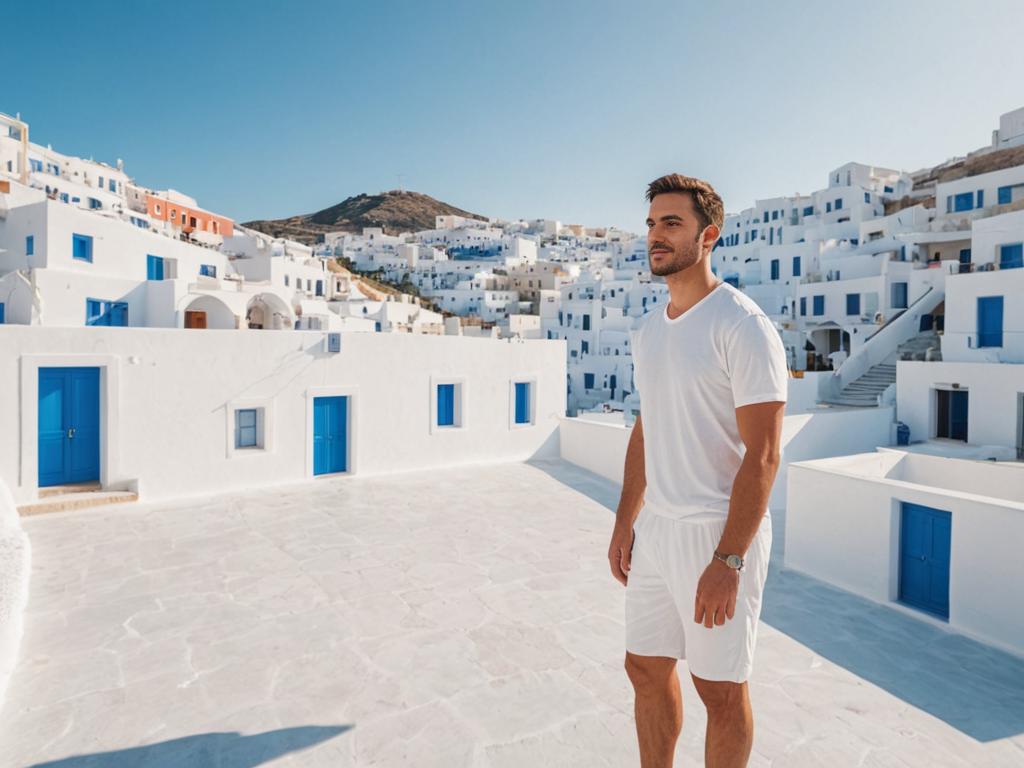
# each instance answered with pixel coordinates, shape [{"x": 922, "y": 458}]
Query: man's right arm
[{"x": 634, "y": 482}]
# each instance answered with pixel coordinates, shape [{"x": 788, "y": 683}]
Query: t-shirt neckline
[{"x": 689, "y": 312}]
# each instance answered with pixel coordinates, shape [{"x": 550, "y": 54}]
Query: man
[{"x": 692, "y": 533}]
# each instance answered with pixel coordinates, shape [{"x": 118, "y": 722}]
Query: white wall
[
  {"x": 169, "y": 399},
  {"x": 15, "y": 556},
  {"x": 991, "y": 403},
  {"x": 844, "y": 529}
]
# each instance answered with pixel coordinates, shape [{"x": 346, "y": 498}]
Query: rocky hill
[{"x": 395, "y": 211}]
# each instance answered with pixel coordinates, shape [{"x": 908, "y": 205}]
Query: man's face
[{"x": 673, "y": 234}]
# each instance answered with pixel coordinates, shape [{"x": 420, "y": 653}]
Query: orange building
[{"x": 187, "y": 219}]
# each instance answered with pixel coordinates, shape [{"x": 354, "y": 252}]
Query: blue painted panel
[
  {"x": 796, "y": 266},
  {"x": 69, "y": 425},
  {"x": 958, "y": 415},
  {"x": 925, "y": 545},
  {"x": 2, "y": 320},
  {"x": 803, "y": 306},
  {"x": 990, "y": 321},
  {"x": 853, "y": 303},
  {"x": 899, "y": 295},
  {"x": 588, "y": 381},
  {"x": 81, "y": 247},
  {"x": 154, "y": 267},
  {"x": 445, "y": 405},
  {"x": 330, "y": 435},
  {"x": 819, "y": 305},
  {"x": 1011, "y": 256},
  {"x": 963, "y": 202},
  {"x": 775, "y": 269},
  {"x": 522, "y": 402}
]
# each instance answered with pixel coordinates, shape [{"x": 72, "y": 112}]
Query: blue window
[
  {"x": 899, "y": 295},
  {"x": 963, "y": 202},
  {"x": 809, "y": 210},
  {"x": 775, "y": 269},
  {"x": 245, "y": 428},
  {"x": 94, "y": 204},
  {"x": 584, "y": 347},
  {"x": 981, "y": 199},
  {"x": 154, "y": 267},
  {"x": 208, "y": 269},
  {"x": 853, "y": 303},
  {"x": 286, "y": 281},
  {"x": 828, "y": 207},
  {"x": 113, "y": 185},
  {"x": 522, "y": 402},
  {"x": 1004, "y": 195},
  {"x": 108, "y": 313},
  {"x": 766, "y": 217},
  {"x": 775, "y": 215},
  {"x": 588, "y": 381},
  {"x": 30, "y": 245},
  {"x": 1011, "y": 256},
  {"x": 81, "y": 247},
  {"x": 64, "y": 197},
  {"x": 586, "y": 322},
  {"x": 1, "y": 313},
  {"x": 990, "y": 321},
  {"x": 819, "y": 305},
  {"x": 376, "y": 327},
  {"x": 101, "y": 182},
  {"x": 796, "y": 266},
  {"x": 36, "y": 165},
  {"x": 753, "y": 234},
  {"x": 446, "y": 405},
  {"x": 867, "y": 197},
  {"x": 839, "y": 203},
  {"x": 888, "y": 190},
  {"x": 803, "y": 306},
  {"x": 319, "y": 287}
]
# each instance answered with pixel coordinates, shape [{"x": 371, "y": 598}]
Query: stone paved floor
[{"x": 455, "y": 618}]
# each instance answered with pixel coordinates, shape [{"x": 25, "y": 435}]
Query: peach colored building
[{"x": 188, "y": 219}]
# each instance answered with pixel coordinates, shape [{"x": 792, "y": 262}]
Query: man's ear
[{"x": 710, "y": 237}]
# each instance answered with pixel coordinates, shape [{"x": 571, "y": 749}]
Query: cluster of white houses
[{"x": 899, "y": 298}]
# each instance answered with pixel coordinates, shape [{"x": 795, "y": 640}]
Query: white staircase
[
  {"x": 924, "y": 346},
  {"x": 864, "y": 392}
]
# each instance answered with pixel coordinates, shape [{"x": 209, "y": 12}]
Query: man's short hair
[{"x": 706, "y": 202}]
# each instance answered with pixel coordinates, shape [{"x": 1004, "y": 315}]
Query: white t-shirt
[{"x": 691, "y": 374}]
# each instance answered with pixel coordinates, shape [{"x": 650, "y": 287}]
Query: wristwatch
[{"x": 733, "y": 561}]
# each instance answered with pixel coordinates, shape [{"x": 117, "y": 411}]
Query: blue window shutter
[
  {"x": 30, "y": 245},
  {"x": 446, "y": 405},
  {"x": 828, "y": 207},
  {"x": 839, "y": 203},
  {"x": 588, "y": 381},
  {"x": 522, "y": 402},
  {"x": 949, "y": 203},
  {"x": 1011, "y": 256},
  {"x": 245, "y": 428},
  {"x": 775, "y": 269},
  {"x": 796, "y": 266},
  {"x": 853, "y": 303},
  {"x": 81, "y": 247},
  {"x": 803, "y": 306},
  {"x": 1, "y": 313},
  {"x": 93, "y": 312},
  {"x": 963, "y": 202},
  {"x": 819, "y": 305},
  {"x": 981, "y": 199},
  {"x": 1005, "y": 195},
  {"x": 867, "y": 197}
]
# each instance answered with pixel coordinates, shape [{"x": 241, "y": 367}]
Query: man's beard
[{"x": 678, "y": 261}]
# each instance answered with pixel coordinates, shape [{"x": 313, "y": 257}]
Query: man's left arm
[{"x": 760, "y": 428}]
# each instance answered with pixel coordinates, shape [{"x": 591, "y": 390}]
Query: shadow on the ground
[
  {"x": 971, "y": 686},
  {"x": 223, "y": 749}
]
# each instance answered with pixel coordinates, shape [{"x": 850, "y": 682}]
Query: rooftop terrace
[{"x": 457, "y": 617}]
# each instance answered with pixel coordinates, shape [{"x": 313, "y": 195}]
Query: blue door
[
  {"x": 990, "y": 321},
  {"x": 899, "y": 295},
  {"x": 69, "y": 425},
  {"x": 924, "y": 558},
  {"x": 330, "y": 435},
  {"x": 154, "y": 267}
]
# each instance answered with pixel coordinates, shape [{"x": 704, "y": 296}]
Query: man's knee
[
  {"x": 721, "y": 695},
  {"x": 650, "y": 673}
]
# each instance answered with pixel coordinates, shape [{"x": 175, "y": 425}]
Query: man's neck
[{"x": 685, "y": 289}]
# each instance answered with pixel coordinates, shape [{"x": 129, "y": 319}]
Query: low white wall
[
  {"x": 601, "y": 448},
  {"x": 991, "y": 402},
  {"x": 845, "y": 529},
  {"x": 168, "y": 399},
  {"x": 803, "y": 393},
  {"x": 14, "y": 572}
]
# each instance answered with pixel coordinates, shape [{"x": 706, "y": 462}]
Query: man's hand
[
  {"x": 716, "y": 594},
  {"x": 620, "y": 551}
]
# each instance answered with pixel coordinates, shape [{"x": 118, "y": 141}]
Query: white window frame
[
  {"x": 264, "y": 408},
  {"x": 531, "y": 379},
  {"x": 460, "y": 404}
]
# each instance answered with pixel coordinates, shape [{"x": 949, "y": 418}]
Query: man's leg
[
  {"x": 730, "y": 734},
  {"x": 658, "y": 708}
]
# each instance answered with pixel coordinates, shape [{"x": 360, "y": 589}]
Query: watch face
[{"x": 733, "y": 561}]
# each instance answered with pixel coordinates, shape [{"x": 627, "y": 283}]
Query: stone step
[
  {"x": 76, "y": 500},
  {"x": 60, "y": 490}
]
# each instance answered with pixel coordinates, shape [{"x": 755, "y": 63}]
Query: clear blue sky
[{"x": 560, "y": 109}]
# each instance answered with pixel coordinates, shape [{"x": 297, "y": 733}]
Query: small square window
[
  {"x": 81, "y": 247},
  {"x": 447, "y": 405},
  {"x": 30, "y": 245}
]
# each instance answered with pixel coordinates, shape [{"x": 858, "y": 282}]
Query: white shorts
[{"x": 669, "y": 556}]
